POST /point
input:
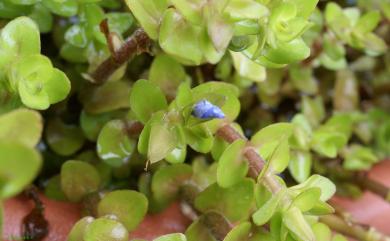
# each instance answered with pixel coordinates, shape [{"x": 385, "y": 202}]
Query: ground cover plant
[{"x": 251, "y": 114}]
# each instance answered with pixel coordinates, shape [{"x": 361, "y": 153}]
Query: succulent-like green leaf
[
  {"x": 18, "y": 38},
  {"x": 148, "y": 14},
  {"x": 19, "y": 166},
  {"x": 179, "y": 38},
  {"x": 322, "y": 232},
  {"x": 145, "y": 90},
  {"x": 106, "y": 228},
  {"x": 78, "y": 229},
  {"x": 357, "y": 157},
  {"x": 307, "y": 199},
  {"x": 172, "y": 237},
  {"x": 62, "y": 138},
  {"x": 128, "y": 206},
  {"x": 78, "y": 179},
  {"x": 114, "y": 145},
  {"x": 232, "y": 166},
  {"x": 21, "y": 125},
  {"x": 66, "y": 8},
  {"x": 167, "y": 73},
  {"x": 239, "y": 233},
  {"x": 323, "y": 183},
  {"x": 297, "y": 225},
  {"x": 265, "y": 213},
  {"x": 300, "y": 165},
  {"x": 246, "y": 9},
  {"x": 248, "y": 68},
  {"x": 167, "y": 180},
  {"x": 113, "y": 95},
  {"x": 234, "y": 202}
]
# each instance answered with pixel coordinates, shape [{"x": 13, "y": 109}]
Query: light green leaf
[
  {"x": 66, "y": 8},
  {"x": 162, "y": 141},
  {"x": 78, "y": 179},
  {"x": 313, "y": 109},
  {"x": 232, "y": 166},
  {"x": 327, "y": 187},
  {"x": 307, "y": 199},
  {"x": 114, "y": 145},
  {"x": 239, "y": 232},
  {"x": 300, "y": 139},
  {"x": 220, "y": 31},
  {"x": 145, "y": 90},
  {"x": 247, "y": 68},
  {"x": 167, "y": 73},
  {"x": 78, "y": 229},
  {"x": 179, "y": 38},
  {"x": 91, "y": 124},
  {"x": 297, "y": 225},
  {"x": 62, "y": 138},
  {"x": 167, "y": 180},
  {"x": 191, "y": 10},
  {"x": 357, "y": 157},
  {"x": 18, "y": 38},
  {"x": 305, "y": 7},
  {"x": 339, "y": 237},
  {"x": 246, "y": 9},
  {"x": 21, "y": 125},
  {"x": 149, "y": 14},
  {"x": 274, "y": 132},
  {"x": 107, "y": 229},
  {"x": 43, "y": 17},
  {"x": 234, "y": 202},
  {"x": 300, "y": 165},
  {"x": 119, "y": 22},
  {"x": 265, "y": 212},
  {"x": 57, "y": 87},
  {"x": 110, "y": 96},
  {"x": 368, "y": 22},
  {"x": 76, "y": 36},
  {"x": 199, "y": 231},
  {"x": 128, "y": 206},
  {"x": 287, "y": 53},
  {"x": 322, "y": 232},
  {"x": 19, "y": 166},
  {"x": 172, "y": 237}
]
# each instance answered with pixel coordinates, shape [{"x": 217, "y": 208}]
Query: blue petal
[{"x": 205, "y": 110}]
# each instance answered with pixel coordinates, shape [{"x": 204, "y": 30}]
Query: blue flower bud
[{"x": 205, "y": 110}]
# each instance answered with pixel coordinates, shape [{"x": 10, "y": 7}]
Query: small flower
[{"x": 205, "y": 110}]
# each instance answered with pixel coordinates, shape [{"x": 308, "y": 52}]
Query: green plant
[{"x": 251, "y": 112}]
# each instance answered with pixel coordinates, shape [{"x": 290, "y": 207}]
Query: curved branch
[{"x": 136, "y": 44}]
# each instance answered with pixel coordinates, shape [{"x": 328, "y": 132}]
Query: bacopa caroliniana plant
[{"x": 248, "y": 112}]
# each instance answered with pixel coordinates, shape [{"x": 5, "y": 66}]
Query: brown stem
[
  {"x": 105, "y": 29},
  {"x": 256, "y": 163},
  {"x": 35, "y": 227},
  {"x": 367, "y": 183},
  {"x": 137, "y": 43},
  {"x": 351, "y": 229}
]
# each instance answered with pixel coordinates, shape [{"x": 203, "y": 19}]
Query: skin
[{"x": 369, "y": 209}]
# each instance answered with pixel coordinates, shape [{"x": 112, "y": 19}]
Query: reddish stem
[
  {"x": 136, "y": 44},
  {"x": 256, "y": 163}
]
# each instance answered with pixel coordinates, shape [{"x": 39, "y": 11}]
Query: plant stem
[
  {"x": 367, "y": 183},
  {"x": 351, "y": 229},
  {"x": 137, "y": 43},
  {"x": 256, "y": 163}
]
